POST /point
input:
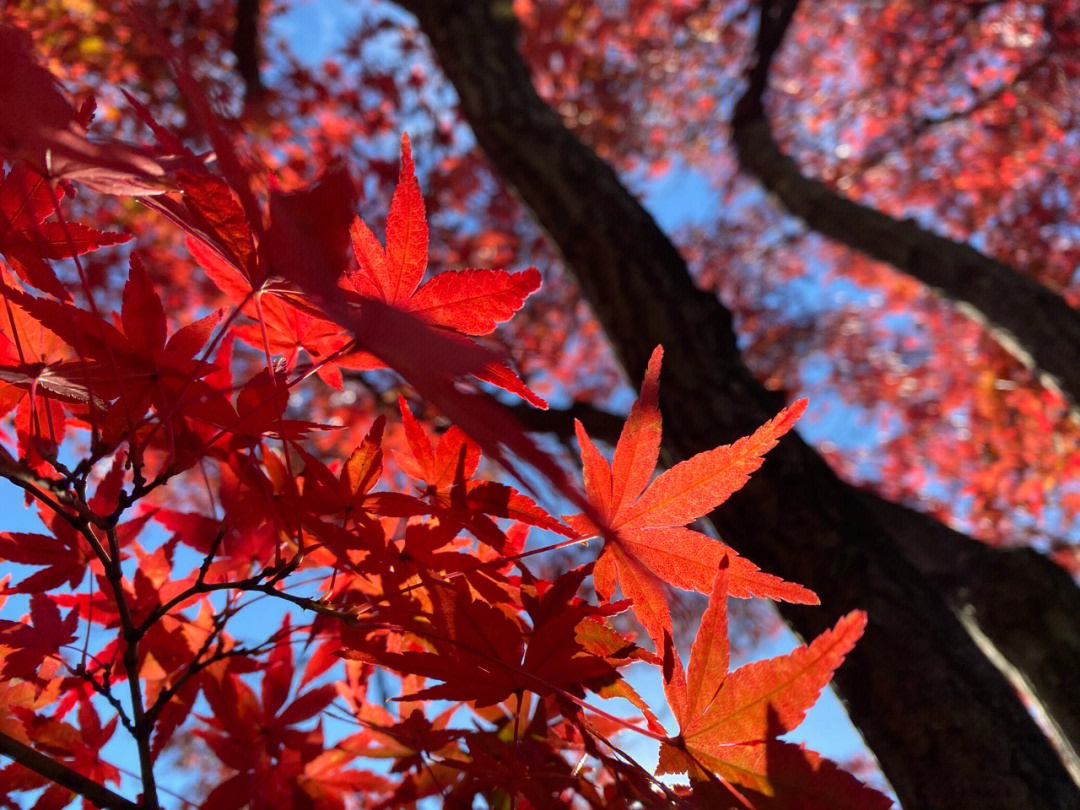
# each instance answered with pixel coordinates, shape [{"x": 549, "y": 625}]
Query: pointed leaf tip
[
  {"x": 638, "y": 448},
  {"x": 406, "y": 233},
  {"x": 771, "y": 697},
  {"x": 698, "y": 485}
]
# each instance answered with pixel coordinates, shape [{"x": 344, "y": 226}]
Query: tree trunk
[{"x": 948, "y": 729}]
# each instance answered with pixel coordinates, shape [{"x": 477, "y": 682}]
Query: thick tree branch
[
  {"x": 1017, "y": 599},
  {"x": 948, "y": 729},
  {"x": 599, "y": 424},
  {"x": 64, "y": 776},
  {"x": 1029, "y": 320},
  {"x": 245, "y": 47}
]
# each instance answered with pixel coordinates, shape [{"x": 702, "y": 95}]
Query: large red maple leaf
[
  {"x": 644, "y": 526},
  {"x": 729, "y": 723},
  {"x": 469, "y": 302}
]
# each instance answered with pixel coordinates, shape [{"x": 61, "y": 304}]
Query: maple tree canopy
[{"x": 314, "y": 364}]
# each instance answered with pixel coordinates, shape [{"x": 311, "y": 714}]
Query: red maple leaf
[
  {"x": 64, "y": 555},
  {"x": 27, "y": 241},
  {"x": 38, "y": 372},
  {"x": 306, "y": 244},
  {"x": 37, "y": 640},
  {"x": 644, "y": 526},
  {"x": 729, "y": 722},
  {"x": 223, "y": 243},
  {"x": 256, "y": 735},
  {"x": 455, "y": 498},
  {"x": 349, "y": 493},
  {"x": 469, "y": 302},
  {"x": 131, "y": 362},
  {"x": 483, "y": 654}
]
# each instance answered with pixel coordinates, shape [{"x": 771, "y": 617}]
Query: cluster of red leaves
[{"x": 409, "y": 564}]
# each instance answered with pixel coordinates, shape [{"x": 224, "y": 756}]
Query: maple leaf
[
  {"x": 525, "y": 768},
  {"x": 79, "y": 747},
  {"x": 447, "y": 469},
  {"x": 409, "y": 742},
  {"x": 484, "y": 655},
  {"x": 38, "y": 372},
  {"x": 306, "y": 244},
  {"x": 555, "y": 652},
  {"x": 156, "y": 370},
  {"x": 65, "y": 555},
  {"x": 260, "y": 411},
  {"x": 349, "y": 493},
  {"x": 26, "y": 240},
  {"x": 222, "y": 241},
  {"x": 477, "y": 650},
  {"x": 470, "y": 302},
  {"x": 348, "y": 497},
  {"x": 34, "y": 642},
  {"x": 646, "y": 542},
  {"x": 131, "y": 361},
  {"x": 254, "y": 733},
  {"x": 729, "y": 722}
]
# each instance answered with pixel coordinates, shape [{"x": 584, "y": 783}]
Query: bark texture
[{"x": 946, "y": 726}]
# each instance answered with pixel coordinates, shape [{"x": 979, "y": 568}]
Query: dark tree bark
[
  {"x": 1027, "y": 319},
  {"x": 1019, "y": 605},
  {"x": 245, "y": 46},
  {"x": 946, "y": 726}
]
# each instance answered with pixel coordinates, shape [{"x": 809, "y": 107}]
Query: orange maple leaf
[
  {"x": 644, "y": 526},
  {"x": 729, "y": 722}
]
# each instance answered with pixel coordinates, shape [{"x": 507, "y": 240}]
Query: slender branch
[
  {"x": 197, "y": 665},
  {"x": 64, "y": 776},
  {"x": 260, "y": 583},
  {"x": 102, "y": 688},
  {"x": 199, "y": 586},
  {"x": 35, "y": 485},
  {"x": 193, "y": 670},
  {"x": 46, "y": 490},
  {"x": 131, "y": 637}
]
